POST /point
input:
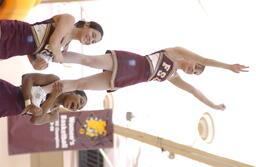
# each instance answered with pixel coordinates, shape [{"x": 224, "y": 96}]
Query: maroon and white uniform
[
  {"x": 11, "y": 99},
  {"x": 20, "y": 38},
  {"x": 161, "y": 66},
  {"x": 131, "y": 68},
  {"x": 42, "y": 32}
]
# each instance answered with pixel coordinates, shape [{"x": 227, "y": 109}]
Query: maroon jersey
[
  {"x": 129, "y": 69},
  {"x": 11, "y": 99},
  {"x": 42, "y": 32},
  {"x": 161, "y": 66},
  {"x": 16, "y": 39},
  {"x": 20, "y": 38}
]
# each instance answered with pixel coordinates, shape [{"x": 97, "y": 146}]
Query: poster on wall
[{"x": 84, "y": 130}]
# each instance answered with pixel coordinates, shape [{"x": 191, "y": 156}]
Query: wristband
[
  {"x": 47, "y": 58},
  {"x": 27, "y": 102}
]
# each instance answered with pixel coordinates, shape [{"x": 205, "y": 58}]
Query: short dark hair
[
  {"x": 80, "y": 24},
  {"x": 81, "y": 93},
  {"x": 200, "y": 66},
  {"x": 92, "y": 24}
]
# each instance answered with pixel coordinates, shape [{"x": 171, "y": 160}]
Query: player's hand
[
  {"x": 58, "y": 59},
  {"x": 34, "y": 110},
  {"x": 238, "y": 68},
  {"x": 39, "y": 64},
  {"x": 57, "y": 88},
  {"x": 219, "y": 107}
]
